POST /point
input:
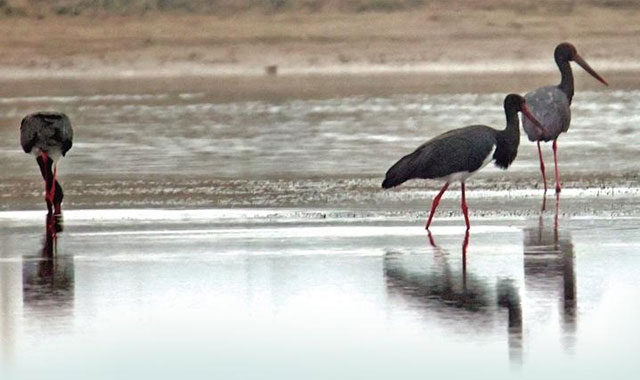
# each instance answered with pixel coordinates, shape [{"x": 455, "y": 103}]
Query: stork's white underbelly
[
  {"x": 54, "y": 154},
  {"x": 463, "y": 175}
]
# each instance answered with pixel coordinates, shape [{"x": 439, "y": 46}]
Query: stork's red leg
[
  {"x": 48, "y": 180},
  {"x": 555, "y": 219},
  {"x": 544, "y": 176},
  {"x": 465, "y": 244},
  {"x": 45, "y": 164},
  {"x": 555, "y": 161},
  {"x": 58, "y": 208},
  {"x": 52, "y": 190},
  {"x": 435, "y": 203},
  {"x": 544, "y": 203},
  {"x": 431, "y": 240},
  {"x": 57, "y": 194},
  {"x": 465, "y": 210}
]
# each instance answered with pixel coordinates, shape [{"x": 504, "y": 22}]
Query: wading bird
[
  {"x": 48, "y": 136},
  {"x": 460, "y": 153},
  {"x": 551, "y": 105}
]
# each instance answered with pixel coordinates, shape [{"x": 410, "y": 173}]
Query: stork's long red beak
[
  {"x": 527, "y": 112},
  {"x": 580, "y": 61}
]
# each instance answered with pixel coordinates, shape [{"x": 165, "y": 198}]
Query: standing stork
[
  {"x": 48, "y": 136},
  {"x": 551, "y": 105},
  {"x": 460, "y": 153}
]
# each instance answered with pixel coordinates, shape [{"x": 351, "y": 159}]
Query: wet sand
[
  {"x": 440, "y": 37},
  {"x": 136, "y": 139}
]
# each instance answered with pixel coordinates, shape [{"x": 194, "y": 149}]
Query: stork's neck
[
  {"x": 566, "y": 84},
  {"x": 508, "y": 140},
  {"x": 513, "y": 124}
]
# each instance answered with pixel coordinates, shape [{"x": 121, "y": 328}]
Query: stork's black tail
[{"x": 400, "y": 172}]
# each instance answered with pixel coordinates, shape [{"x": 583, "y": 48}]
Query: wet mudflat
[
  {"x": 250, "y": 239},
  {"x": 181, "y": 148}
]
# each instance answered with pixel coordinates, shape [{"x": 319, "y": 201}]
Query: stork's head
[
  {"x": 566, "y": 52},
  {"x": 515, "y": 102}
]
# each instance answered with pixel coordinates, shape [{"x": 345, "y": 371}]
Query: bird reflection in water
[
  {"x": 462, "y": 300},
  {"x": 549, "y": 270},
  {"x": 441, "y": 281},
  {"x": 465, "y": 245},
  {"x": 48, "y": 279},
  {"x": 509, "y": 298}
]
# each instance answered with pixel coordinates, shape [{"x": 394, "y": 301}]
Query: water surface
[{"x": 236, "y": 293}]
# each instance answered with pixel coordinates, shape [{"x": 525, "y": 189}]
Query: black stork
[
  {"x": 551, "y": 105},
  {"x": 460, "y": 153},
  {"x": 48, "y": 136}
]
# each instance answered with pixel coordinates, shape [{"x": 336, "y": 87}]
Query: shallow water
[
  {"x": 266, "y": 294},
  {"x": 189, "y": 149},
  {"x": 249, "y": 238}
]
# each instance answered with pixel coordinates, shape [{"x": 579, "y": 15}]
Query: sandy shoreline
[
  {"x": 432, "y": 40},
  {"x": 235, "y": 88},
  {"x": 183, "y": 69}
]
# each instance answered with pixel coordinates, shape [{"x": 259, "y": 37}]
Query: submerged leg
[
  {"x": 54, "y": 180},
  {"x": 431, "y": 240},
  {"x": 56, "y": 192},
  {"x": 544, "y": 176},
  {"x": 555, "y": 219},
  {"x": 465, "y": 210},
  {"x": 45, "y": 164},
  {"x": 555, "y": 161},
  {"x": 57, "y": 198},
  {"x": 465, "y": 244},
  {"x": 544, "y": 203},
  {"x": 435, "y": 203}
]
